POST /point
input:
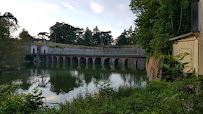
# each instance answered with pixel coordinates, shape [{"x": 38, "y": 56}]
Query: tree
[
  {"x": 159, "y": 20},
  {"x": 63, "y": 33},
  {"x": 96, "y": 38},
  {"x": 126, "y": 37},
  {"x": 106, "y": 37},
  {"x": 43, "y": 35},
  {"x": 25, "y": 36},
  {"x": 122, "y": 39},
  {"x": 88, "y": 37},
  {"x": 9, "y": 48}
]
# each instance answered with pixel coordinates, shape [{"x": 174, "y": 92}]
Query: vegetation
[
  {"x": 156, "y": 97},
  {"x": 179, "y": 93},
  {"x": 159, "y": 20},
  {"x": 126, "y": 38},
  {"x": 82, "y": 46},
  {"x": 9, "y": 47},
  {"x": 12, "y": 103},
  {"x": 25, "y": 36},
  {"x": 68, "y": 34}
]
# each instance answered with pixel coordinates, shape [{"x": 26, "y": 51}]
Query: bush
[{"x": 10, "y": 102}]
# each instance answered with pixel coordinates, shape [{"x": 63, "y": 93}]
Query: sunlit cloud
[
  {"x": 97, "y": 8},
  {"x": 68, "y": 6}
]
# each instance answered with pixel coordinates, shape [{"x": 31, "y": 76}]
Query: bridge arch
[
  {"x": 67, "y": 60},
  {"x": 108, "y": 61},
  {"x": 54, "y": 59},
  {"x": 60, "y": 59},
  {"x": 90, "y": 60},
  {"x": 82, "y": 60},
  {"x": 118, "y": 61},
  {"x": 74, "y": 60},
  {"x": 126, "y": 62},
  {"x": 98, "y": 61}
]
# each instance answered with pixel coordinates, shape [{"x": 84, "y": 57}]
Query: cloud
[
  {"x": 97, "y": 8},
  {"x": 122, "y": 7},
  {"x": 68, "y": 6}
]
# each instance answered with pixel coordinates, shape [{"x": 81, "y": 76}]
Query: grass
[{"x": 82, "y": 46}]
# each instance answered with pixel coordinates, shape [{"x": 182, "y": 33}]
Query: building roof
[{"x": 183, "y": 36}]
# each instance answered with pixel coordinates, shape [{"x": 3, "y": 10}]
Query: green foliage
[
  {"x": 159, "y": 20},
  {"x": 126, "y": 38},
  {"x": 63, "y": 33},
  {"x": 25, "y": 36},
  {"x": 171, "y": 66},
  {"x": 10, "y": 102},
  {"x": 155, "y": 97}
]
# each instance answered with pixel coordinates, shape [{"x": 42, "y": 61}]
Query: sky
[{"x": 39, "y": 15}]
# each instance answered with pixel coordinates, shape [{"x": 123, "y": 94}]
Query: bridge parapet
[{"x": 103, "y": 51}]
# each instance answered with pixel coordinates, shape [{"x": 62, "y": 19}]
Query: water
[{"x": 63, "y": 82}]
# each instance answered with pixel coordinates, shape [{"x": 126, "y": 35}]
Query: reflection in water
[{"x": 60, "y": 82}]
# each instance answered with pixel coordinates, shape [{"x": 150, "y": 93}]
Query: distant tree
[
  {"x": 106, "y": 38},
  {"x": 43, "y": 35},
  {"x": 126, "y": 37},
  {"x": 79, "y": 36},
  {"x": 25, "y": 36},
  {"x": 88, "y": 37},
  {"x": 96, "y": 38},
  {"x": 63, "y": 33}
]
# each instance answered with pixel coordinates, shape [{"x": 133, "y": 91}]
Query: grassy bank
[{"x": 81, "y": 46}]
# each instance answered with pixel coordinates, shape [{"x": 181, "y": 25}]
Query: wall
[
  {"x": 102, "y": 51},
  {"x": 188, "y": 45},
  {"x": 33, "y": 47},
  {"x": 201, "y": 41}
]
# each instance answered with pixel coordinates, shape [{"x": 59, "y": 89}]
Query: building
[{"x": 192, "y": 42}]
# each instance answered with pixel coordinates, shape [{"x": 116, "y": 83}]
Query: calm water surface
[{"x": 63, "y": 82}]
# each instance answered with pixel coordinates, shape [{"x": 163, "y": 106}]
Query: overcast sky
[{"x": 38, "y": 15}]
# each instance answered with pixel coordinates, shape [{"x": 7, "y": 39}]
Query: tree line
[{"x": 68, "y": 34}]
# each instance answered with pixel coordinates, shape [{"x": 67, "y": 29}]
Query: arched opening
[
  {"x": 83, "y": 60},
  {"x": 141, "y": 64},
  {"x": 107, "y": 61},
  {"x": 60, "y": 60},
  {"x": 98, "y": 61},
  {"x": 44, "y": 51},
  {"x": 67, "y": 60},
  {"x": 54, "y": 59},
  {"x": 75, "y": 60},
  {"x": 126, "y": 62},
  {"x": 118, "y": 61},
  {"x": 90, "y": 60},
  {"x": 49, "y": 59}
]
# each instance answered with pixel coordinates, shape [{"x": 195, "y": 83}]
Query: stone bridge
[{"x": 110, "y": 55}]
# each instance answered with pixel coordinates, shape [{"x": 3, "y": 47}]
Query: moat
[{"x": 61, "y": 82}]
